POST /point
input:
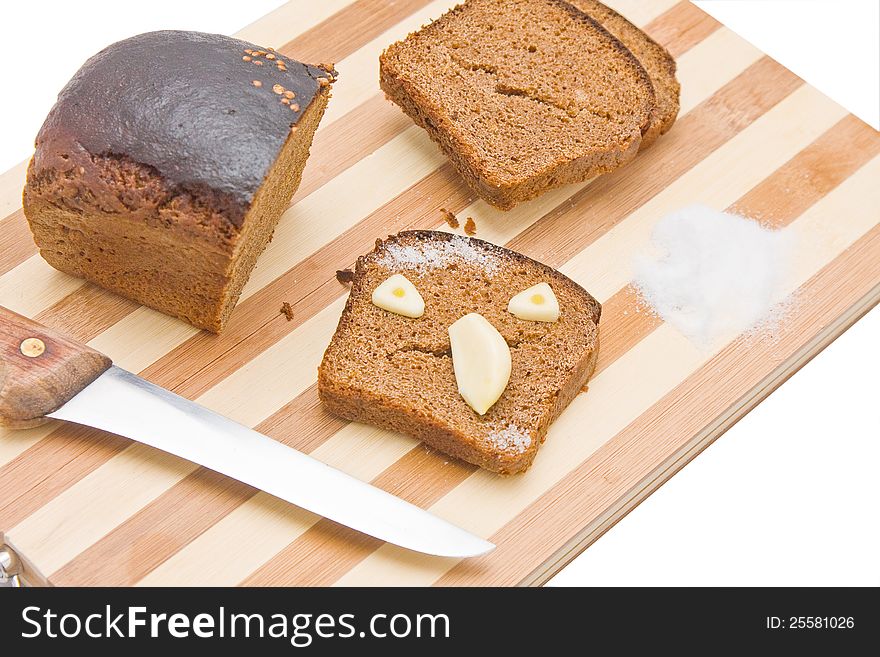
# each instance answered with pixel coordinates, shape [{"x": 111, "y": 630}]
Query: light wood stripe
[
  {"x": 34, "y": 285},
  {"x": 745, "y": 55},
  {"x": 639, "y": 12},
  {"x": 290, "y": 19},
  {"x": 807, "y": 105},
  {"x": 11, "y": 184},
  {"x": 622, "y": 395},
  {"x": 328, "y": 43}
]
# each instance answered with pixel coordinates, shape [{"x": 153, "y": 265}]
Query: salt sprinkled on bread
[
  {"x": 430, "y": 255},
  {"x": 714, "y": 275},
  {"x": 511, "y": 437}
]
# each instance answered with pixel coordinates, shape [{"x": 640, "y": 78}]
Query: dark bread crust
[
  {"x": 396, "y": 373},
  {"x": 424, "y": 94},
  {"x": 655, "y": 59},
  {"x": 183, "y": 104},
  {"x": 162, "y": 169}
]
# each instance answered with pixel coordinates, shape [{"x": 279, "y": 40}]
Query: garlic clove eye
[
  {"x": 537, "y": 303},
  {"x": 397, "y": 295}
]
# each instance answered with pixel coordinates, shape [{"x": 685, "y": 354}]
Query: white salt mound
[{"x": 713, "y": 275}]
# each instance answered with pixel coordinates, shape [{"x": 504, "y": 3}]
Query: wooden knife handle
[{"x": 40, "y": 370}]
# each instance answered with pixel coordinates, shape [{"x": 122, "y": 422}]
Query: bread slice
[
  {"x": 521, "y": 96},
  {"x": 655, "y": 59},
  {"x": 166, "y": 163},
  {"x": 396, "y": 372}
]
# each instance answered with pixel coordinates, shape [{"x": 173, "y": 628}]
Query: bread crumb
[
  {"x": 345, "y": 276},
  {"x": 287, "y": 311},
  {"x": 470, "y": 228},
  {"x": 449, "y": 218}
]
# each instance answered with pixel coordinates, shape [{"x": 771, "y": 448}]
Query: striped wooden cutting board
[{"x": 83, "y": 507}]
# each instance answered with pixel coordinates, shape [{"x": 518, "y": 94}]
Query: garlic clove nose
[
  {"x": 537, "y": 303},
  {"x": 481, "y": 361},
  {"x": 397, "y": 295}
]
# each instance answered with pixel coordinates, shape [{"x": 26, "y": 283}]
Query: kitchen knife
[{"x": 46, "y": 375}]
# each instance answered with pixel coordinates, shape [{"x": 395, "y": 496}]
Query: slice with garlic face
[
  {"x": 537, "y": 304},
  {"x": 481, "y": 361},
  {"x": 397, "y": 295}
]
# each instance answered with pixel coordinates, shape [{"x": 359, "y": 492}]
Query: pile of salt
[{"x": 713, "y": 274}]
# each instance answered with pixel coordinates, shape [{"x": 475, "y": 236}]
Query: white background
[{"x": 791, "y": 494}]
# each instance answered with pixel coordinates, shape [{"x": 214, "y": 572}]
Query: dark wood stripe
[
  {"x": 16, "y": 243},
  {"x": 681, "y": 27},
  {"x": 345, "y": 142},
  {"x": 818, "y": 169},
  {"x": 121, "y": 557},
  {"x": 86, "y": 312},
  {"x": 348, "y": 30}
]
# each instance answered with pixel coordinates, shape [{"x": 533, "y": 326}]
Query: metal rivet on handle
[
  {"x": 9, "y": 567},
  {"x": 33, "y": 347}
]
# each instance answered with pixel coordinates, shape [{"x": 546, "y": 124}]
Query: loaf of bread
[
  {"x": 527, "y": 95},
  {"x": 164, "y": 166},
  {"x": 396, "y": 372}
]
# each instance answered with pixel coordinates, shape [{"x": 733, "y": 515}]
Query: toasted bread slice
[
  {"x": 396, "y": 372},
  {"x": 655, "y": 59},
  {"x": 521, "y": 96}
]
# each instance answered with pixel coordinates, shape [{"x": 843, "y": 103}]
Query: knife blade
[{"x": 123, "y": 403}]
